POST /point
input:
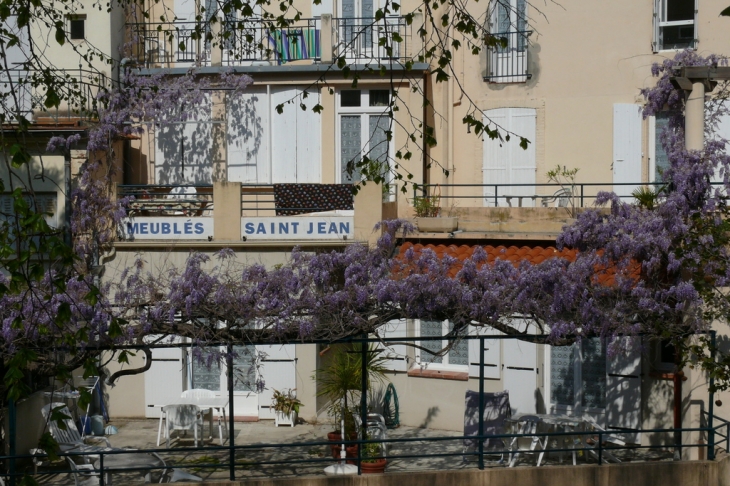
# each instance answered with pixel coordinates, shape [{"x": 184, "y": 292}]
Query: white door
[
  {"x": 520, "y": 375},
  {"x": 185, "y": 13},
  {"x": 623, "y": 393},
  {"x": 626, "y": 149},
  {"x": 506, "y": 162},
  {"x": 278, "y": 371},
  {"x": 356, "y": 34},
  {"x": 163, "y": 382}
]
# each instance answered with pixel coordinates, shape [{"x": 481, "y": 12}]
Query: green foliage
[
  {"x": 285, "y": 403},
  {"x": 428, "y": 206},
  {"x": 647, "y": 197}
]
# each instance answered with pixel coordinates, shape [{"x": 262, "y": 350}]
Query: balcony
[
  {"x": 259, "y": 42},
  {"x": 80, "y": 87},
  {"x": 509, "y": 62},
  {"x": 235, "y": 212}
]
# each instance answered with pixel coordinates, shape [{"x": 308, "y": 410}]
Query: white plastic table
[{"x": 217, "y": 403}]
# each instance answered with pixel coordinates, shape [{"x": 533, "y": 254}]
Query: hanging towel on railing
[
  {"x": 291, "y": 199},
  {"x": 295, "y": 44}
]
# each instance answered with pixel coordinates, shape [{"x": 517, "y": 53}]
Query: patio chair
[
  {"x": 205, "y": 412},
  {"x": 496, "y": 411},
  {"x": 532, "y": 426},
  {"x": 182, "y": 417},
  {"x": 68, "y": 436},
  {"x": 591, "y": 441},
  {"x": 375, "y": 428},
  {"x": 561, "y": 198}
]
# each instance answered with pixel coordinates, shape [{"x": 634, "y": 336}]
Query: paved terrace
[{"x": 142, "y": 434}]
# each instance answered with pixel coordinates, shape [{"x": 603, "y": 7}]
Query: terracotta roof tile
[{"x": 534, "y": 254}]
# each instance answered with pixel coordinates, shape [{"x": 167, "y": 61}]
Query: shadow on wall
[
  {"x": 246, "y": 134},
  {"x": 430, "y": 415}
]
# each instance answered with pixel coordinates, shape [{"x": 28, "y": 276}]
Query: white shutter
[
  {"x": 492, "y": 353},
  {"x": 283, "y": 136},
  {"x": 163, "y": 382},
  {"x": 309, "y": 142},
  {"x": 626, "y": 148},
  {"x": 495, "y": 157},
  {"x": 656, "y": 19},
  {"x": 520, "y": 374},
  {"x": 197, "y": 156},
  {"x": 722, "y": 132},
  {"x": 278, "y": 371},
  {"x": 248, "y": 137},
  {"x": 396, "y": 353},
  {"x": 523, "y": 167},
  {"x": 623, "y": 394}
]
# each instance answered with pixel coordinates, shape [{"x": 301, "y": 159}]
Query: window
[
  {"x": 507, "y": 63},
  {"x": 674, "y": 24},
  {"x": 457, "y": 357},
  {"x": 77, "y": 27},
  {"x": 364, "y": 126},
  {"x": 659, "y": 159},
  {"x": 214, "y": 377},
  {"x": 578, "y": 375}
]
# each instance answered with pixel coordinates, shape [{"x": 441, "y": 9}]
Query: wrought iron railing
[
  {"x": 509, "y": 61},
  {"x": 165, "y": 43},
  {"x": 362, "y": 39},
  {"x": 25, "y": 92},
  {"x": 577, "y": 195},
  {"x": 167, "y": 199},
  {"x": 589, "y": 442}
]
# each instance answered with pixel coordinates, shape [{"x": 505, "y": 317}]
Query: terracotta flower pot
[
  {"x": 375, "y": 467},
  {"x": 350, "y": 453},
  {"x": 336, "y": 438}
]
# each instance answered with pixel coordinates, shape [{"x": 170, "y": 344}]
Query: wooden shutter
[
  {"x": 309, "y": 143},
  {"x": 248, "y": 137},
  {"x": 656, "y": 19},
  {"x": 396, "y": 353},
  {"x": 492, "y": 353},
  {"x": 623, "y": 394},
  {"x": 295, "y": 139},
  {"x": 626, "y": 148},
  {"x": 522, "y": 170},
  {"x": 495, "y": 157}
]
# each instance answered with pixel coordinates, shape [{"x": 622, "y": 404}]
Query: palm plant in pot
[
  {"x": 286, "y": 407},
  {"x": 340, "y": 381}
]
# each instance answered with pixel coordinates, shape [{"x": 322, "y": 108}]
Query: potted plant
[
  {"x": 341, "y": 380},
  {"x": 372, "y": 460},
  {"x": 428, "y": 213},
  {"x": 286, "y": 407}
]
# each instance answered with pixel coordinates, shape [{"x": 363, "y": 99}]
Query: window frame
[
  {"x": 71, "y": 20},
  {"x": 660, "y": 13},
  {"x": 364, "y": 111},
  {"x": 444, "y": 365},
  {"x": 577, "y": 407}
]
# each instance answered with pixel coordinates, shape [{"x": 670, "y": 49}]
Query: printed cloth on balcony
[
  {"x": 295, "y": 44},
  {"x": 292, "y": 199}
]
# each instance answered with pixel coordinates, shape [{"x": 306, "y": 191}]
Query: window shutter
[
  {"x": 626, "y": 148},
  {"x": 248, "y": 137},
  {"x": 656, "y": 20},
  {"x": 284, "y": 136},
  {"x": 495, "y": 156},
  {"x": 523, "y": 165},
  {"x": 309, "y": 143},
  {"x": 396, "y": 353},
  {"x": 492, "y": 353},
  {"x": 623, "y": 394}
]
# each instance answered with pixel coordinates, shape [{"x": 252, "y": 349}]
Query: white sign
[
  {"x": 167, "y": 228},
  {"x": 298, "y": 228}
]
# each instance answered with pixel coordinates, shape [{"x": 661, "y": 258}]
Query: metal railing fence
[
  {"x": 167, "y": 199},
  {"x": 598, "y": 450},
  {"x": 509, "y": 63},
  {"x": 363, "y": 39}
]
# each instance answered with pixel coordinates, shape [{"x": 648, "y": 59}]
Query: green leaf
[
  {"x": 726, "y": 12},
  {"x": 60, "y": 34},
  {"x": 524, "y": 143}
]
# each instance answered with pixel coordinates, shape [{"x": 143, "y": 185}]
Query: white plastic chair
[
  {"x": 68, "y": 436},
  {"x": 519, "y": 445},
  {"x": 182, "y": 417}
]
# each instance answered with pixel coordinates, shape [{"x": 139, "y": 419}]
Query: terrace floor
[{"x": 306, "y": 460}]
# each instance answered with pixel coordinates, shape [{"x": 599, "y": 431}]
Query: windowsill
[{"x": 419, "y": 372}]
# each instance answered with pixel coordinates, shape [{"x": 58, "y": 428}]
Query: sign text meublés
[{"x": 167, "y": 228}]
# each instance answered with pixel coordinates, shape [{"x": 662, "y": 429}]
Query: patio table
[
  {"x": 549, "y": 424},
  {"x": 217, "y": 403}
]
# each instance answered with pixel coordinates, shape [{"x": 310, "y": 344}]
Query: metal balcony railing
[
  {"x": 244, "y": 41},
  {"x": 509, "y": 63},
  {"x": 362, "y": 39},
  {"x": 24, "y": 92},
  {"x": 167, "y": 199}
]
